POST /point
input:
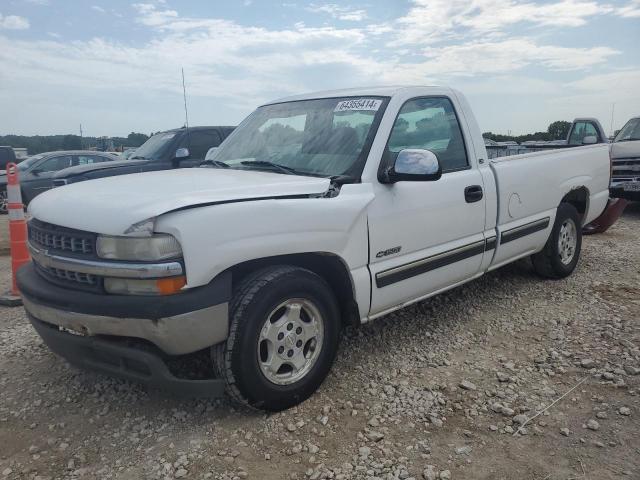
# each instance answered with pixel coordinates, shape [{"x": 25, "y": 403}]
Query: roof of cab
[{"x": 388, "y": 91}]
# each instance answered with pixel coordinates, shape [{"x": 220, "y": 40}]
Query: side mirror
[
  {"x": 182, "y": 153},
  {"x": 35, "y": 172},
  {"x": 413, "y": 165},
  {"x": 590, "y": 140},
  {"x": 210, "y": 153}
]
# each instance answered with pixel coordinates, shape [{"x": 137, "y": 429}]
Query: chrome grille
[
  {"x": 52, "y": 237},
  {"x": 626, "y": 167},
  {"x": 67, "y": 275}
]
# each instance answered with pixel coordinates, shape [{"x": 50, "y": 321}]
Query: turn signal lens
[
  {"x": 161, "y": 286},
  {"x": 171, "y": 285}
]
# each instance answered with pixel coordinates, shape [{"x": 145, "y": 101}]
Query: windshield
[
  {"x": 153, "y": 148},
  {"x": 29, "y": 162},
  {"x": 325, "y": 137},
  {"x": 630, "y": 132}
]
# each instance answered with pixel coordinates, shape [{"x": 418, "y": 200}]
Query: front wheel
[
  {"x": 283, "y": 337},
  {"x": 561, "y": 253}
]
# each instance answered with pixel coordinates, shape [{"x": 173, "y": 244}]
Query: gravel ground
[{"x": 440, "y": 390}]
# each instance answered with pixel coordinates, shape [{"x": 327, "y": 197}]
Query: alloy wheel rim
[
  {"x": 290, "y": 341},
  {"x": 567, "y": 241}
]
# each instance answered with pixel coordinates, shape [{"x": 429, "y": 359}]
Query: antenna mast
[{"x": 184, "y": 94}]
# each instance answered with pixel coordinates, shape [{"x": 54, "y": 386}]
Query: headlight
[
  {"x": 161, "y": 286},
  {"x": 156, "y": 247}
]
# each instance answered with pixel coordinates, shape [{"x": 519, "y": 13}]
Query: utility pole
[{"x": 81, "y": 136}]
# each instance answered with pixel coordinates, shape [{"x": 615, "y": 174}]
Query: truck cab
[{"x": 177, "y": 148}]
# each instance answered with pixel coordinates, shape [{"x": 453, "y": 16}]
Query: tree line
[
  {"x": 34, "y": 144},
  {"x": 557, "y": 130},
  {"x": 49, "y": 143}
]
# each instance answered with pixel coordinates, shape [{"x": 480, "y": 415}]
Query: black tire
[
  {"x": 237, "y": 359},
  {"x": 547, "y": 263}
]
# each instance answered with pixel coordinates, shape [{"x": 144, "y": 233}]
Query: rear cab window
[{"x": 581, "y": 130}]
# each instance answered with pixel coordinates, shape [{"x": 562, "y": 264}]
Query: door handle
[{"x": 473, "y": 193}]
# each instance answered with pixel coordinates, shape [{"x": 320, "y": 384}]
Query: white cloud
[
  {"x": 341, "y": 13},
  {"x": 632, "y": 10},
  {"x": 98, "y": 8},
  {"x": 151, "y": 17},
  {"x": 13, "y": 22},
  {"x": 625, "y": 83},
  {"x": 433, "y": 20},
  {"x": 38, "y": 2}
]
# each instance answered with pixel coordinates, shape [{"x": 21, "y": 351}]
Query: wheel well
[
  {"x": 579, "y": 198},
  {"x": 328, "y": 266}
]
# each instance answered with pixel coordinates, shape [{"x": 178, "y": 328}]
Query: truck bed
[{"x": 527, "y": 190}]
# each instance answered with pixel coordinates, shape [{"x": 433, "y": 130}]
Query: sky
[{"x": 115, "y": 66}]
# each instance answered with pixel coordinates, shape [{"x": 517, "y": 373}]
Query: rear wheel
[
  {"x": 3, "y": 203},
  {"x": 561, "y": 253},
  {"x": 283, "y": 337}
]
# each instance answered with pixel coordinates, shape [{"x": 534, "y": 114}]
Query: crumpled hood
[
  {"x": 625, "y": 149},
  {"x": 111, "y": 205}
]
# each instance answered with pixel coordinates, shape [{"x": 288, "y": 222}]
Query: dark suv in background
[
  {"x": 7, "y": 155},
  {"x": 178, "y": 148}
]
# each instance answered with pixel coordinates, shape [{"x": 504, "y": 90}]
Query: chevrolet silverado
[{"x": 318, "y": 211}]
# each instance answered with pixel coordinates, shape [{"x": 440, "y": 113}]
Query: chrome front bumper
[
  {"x": 174, "y": 335},
  {"x": 177, "y": 324}
]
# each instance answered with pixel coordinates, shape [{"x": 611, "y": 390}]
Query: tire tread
[{"x": 243, "y": 295}]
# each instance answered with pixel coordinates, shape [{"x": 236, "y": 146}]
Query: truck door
[{"x": 426, "y": 235}]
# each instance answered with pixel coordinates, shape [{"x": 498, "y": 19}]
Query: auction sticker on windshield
[{"x": 358, "y": 104}]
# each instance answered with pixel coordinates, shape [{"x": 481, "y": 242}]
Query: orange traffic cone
[{"x": 17, "y": 234}]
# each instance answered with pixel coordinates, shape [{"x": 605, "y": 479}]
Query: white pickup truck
[{"x": 318, "y": 211}]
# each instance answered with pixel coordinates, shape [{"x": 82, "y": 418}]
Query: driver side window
[
  {"x": 430, "y": 124},
  {"x": 54, "y": 164}
]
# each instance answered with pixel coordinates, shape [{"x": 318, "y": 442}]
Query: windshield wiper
[
  {"x": 137, "y": 157},
  {"x": 275, "y": 166},
  {"x": 215, "y": 163}
]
